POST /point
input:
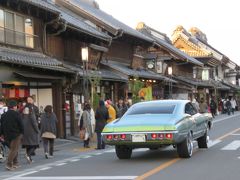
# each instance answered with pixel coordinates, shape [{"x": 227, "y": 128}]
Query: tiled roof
[
  {"x": 208, "y": 84},
  {"x": 232, "y": 86},
  {"x": 108, "y": 19},
  {"x": 28, "y": 58},
  {"x": 194, "y": 82},
  {"x": 138, "y": 73},
  {"x": 76, "y": 21},
  {"x": 43, "y": 4},
  {"x": 71, "y": 18},
  {"x": 167, "y": 44},
  {"x": 104, "y": 74}
]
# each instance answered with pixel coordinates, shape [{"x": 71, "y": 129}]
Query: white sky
[{"x": 218, "y": 19}]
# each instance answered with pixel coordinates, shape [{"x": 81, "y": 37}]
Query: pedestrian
[
  {"x": 203, "y": 107},
  {"x": 111, "y": 111},
  {"x": 121, "y": 108},
  {"x": 101, "y": 117},
  {"x": 86, "y": 124},
  {"x": 30, "y": 103},
  {"x": 31, "y": 132},
  {"x": 228, "y": 106},
  {"x": 48, "y": 130},
  {"x": 12, "y": 129},
  {"x": 196, "y": 104},
  {"x": 233, "y": 104},
  {"x": 213, "y": 107},
  {"x": 3, "y": 109}
]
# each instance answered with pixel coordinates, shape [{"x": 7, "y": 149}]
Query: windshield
[{"x": 152, "y": 109}]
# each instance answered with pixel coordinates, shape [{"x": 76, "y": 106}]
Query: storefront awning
[
  {"x": 136, "y": 73},
  {"x": 37, "y": 76}
]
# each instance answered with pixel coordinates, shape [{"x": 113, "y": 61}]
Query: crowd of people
[
  {"x": 227, "y": 105},
  {"x": 23, "y": 124},
  {"x": 90, "y": 121}
]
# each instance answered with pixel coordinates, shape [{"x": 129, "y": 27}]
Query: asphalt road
[{"x": 220, "y": 161}]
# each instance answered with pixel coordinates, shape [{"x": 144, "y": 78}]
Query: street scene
[
  {"x": 71, "y": 161},
  {"x": 85, "y": 94}
]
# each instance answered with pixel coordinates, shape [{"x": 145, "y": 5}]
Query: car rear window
[{"x": 151, "y": 109}]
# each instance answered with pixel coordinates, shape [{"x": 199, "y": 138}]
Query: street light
[
  {"x": 170, "y": 82},
  {"x": 84, "y": 53}
]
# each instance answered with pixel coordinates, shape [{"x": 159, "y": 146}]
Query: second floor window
[{"x": 16, "y": 29}]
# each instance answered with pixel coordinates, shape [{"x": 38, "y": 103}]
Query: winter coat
[
  {"x": 31, "y": 131},
  {"x": 112, "y": 114},
  {"x": 101, "y": 117},
  {"x": 12, "y": 125},
  {"x": 121, "y": 110},
  {"x": 48, "y": 123},
  {"x": 86, "y": 117}
]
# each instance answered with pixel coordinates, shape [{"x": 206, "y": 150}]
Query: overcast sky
[{"x": 218, "y": 19}]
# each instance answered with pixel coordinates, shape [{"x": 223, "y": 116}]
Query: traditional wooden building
[
  {"x": 216, "y": 64},
  {"x": 125, "y": 52},
  {"x": 168, "y": 57}
]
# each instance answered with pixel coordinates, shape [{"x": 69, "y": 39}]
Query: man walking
[{"x": 12, "y": 130}]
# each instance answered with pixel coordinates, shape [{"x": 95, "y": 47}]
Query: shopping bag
[{"x": 82, "y": 134}]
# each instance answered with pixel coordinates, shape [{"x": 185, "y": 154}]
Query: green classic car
[{"x": 154, "y": 124}]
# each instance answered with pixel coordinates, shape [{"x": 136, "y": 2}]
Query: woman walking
[
  {"x": 31, "y": 132},
  {"x": 48, "y": 130},
  {"x": 86, "y": 124}
]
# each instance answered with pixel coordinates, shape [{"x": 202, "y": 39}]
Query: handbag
[
  {"x": 48, "y": 135},
  {"x": 82, "y": 133}
]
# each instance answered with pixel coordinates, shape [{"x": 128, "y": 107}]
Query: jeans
[
  {"x": 45, "y": 145},
  {"x": 100, "y": 142},
  {"x": 13, "y": 151}
]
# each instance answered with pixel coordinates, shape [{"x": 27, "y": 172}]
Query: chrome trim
[{"x": 141, "y": 132}]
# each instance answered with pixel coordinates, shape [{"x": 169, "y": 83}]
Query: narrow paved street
[{"x": 220, "y": 161}]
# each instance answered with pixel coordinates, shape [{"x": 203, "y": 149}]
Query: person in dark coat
[
  {"x": 12, "y": 129},
  {"x": 101, "y": 117},
  {"x": 121, "y": 108},
  {"x": 48, "y": 124},
  {"x": 31, "y": 132},
  {"x": 213, "y": 107}
]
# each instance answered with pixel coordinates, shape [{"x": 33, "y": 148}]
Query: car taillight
[
  {"x": 123, "y": 136},
  {"x": 161, "y": 136},
  {"x": 109, "y": 137},
  {"x": 153, "y": 136},
  {"x": 169, "y": 135},
  {"x": 115, "y": 136}
]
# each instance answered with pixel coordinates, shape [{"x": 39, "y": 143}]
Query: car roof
[{"x": 167, "y": 101}]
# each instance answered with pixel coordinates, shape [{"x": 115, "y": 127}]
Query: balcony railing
[{"x": 17, "y": 38}]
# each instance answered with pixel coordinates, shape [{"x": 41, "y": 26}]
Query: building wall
[
  {"x": 42, "y": 97},
  {"x": 121, "y": 51}
]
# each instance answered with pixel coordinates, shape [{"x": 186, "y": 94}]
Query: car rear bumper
[{"x": 147, "y": 139}]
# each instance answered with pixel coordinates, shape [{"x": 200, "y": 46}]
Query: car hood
[{"x": 143, "y": 122}]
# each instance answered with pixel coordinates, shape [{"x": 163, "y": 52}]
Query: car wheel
[
  {"x": 202, "y": 141},
  {"x": 123, "y": 152},
  {"x": 185, "y": 148}
]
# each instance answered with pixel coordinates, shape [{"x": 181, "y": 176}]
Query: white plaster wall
[{"x": 43, "y": 96}]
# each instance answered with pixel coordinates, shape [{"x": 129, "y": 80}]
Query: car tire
[
  {"x": 202, "y": 141},
  {"x": 185, "y": 148},
  {"x": 123, "y": 152}
]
